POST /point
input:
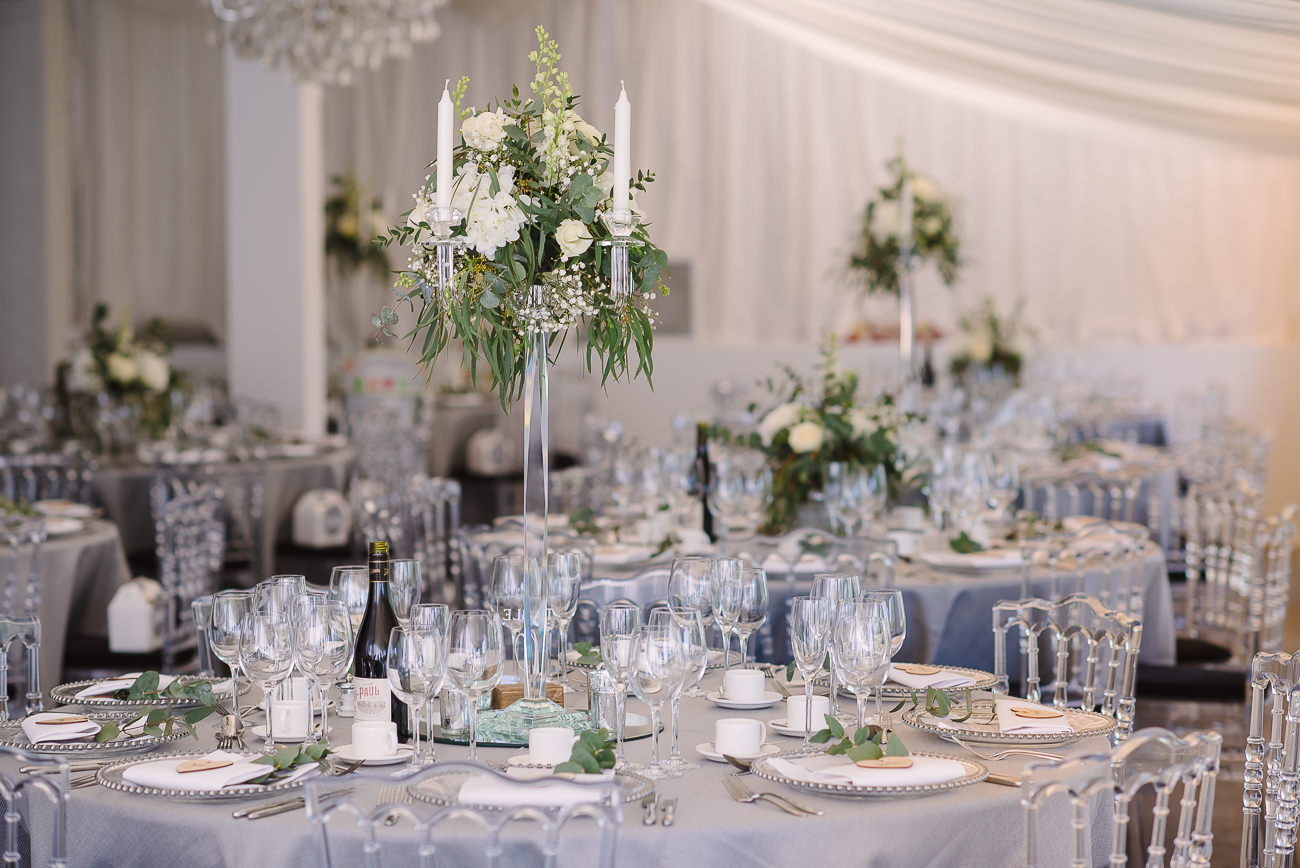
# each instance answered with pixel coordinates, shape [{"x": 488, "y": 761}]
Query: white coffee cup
[
  {"x": 739, "y": 736},
  {"x": 550, "y": 745},
  {"x": 374, "y": 739},
  {"x": 795, "y": 712},
  {"x": 744, "y": 685},
  {"x": 289, "y": 718}
]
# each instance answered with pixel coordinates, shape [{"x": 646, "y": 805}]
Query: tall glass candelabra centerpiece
[{"x": 526, "y": 235}]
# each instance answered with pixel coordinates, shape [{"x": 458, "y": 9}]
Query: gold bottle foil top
[{"x": 378, "y": 547}]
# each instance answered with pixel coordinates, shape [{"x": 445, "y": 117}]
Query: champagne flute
[
  {"x": 506, "y": 594},
  {"x": 436, "y": 617},
  {"x": 404, "y": 585},
  {"x": 690, "y": 585},
  {"x": 656, "y": 673},
  {"x": 266, "y": 653},
  {"x": 618, "y": 623},
  {"x": 695, "y": 660},
  {"x": 228, "y": 611},
  {"x": 324, "y": 641},
  {"x": 417, "y": 663},
  {"x": 809, "y": 624},
  {"x": 745, "y": 601},
  {"x": 728, "y": 571},
  {"x": 350, "y": 584},
  {"x": 475, "y": 657},
  {"x": 860, "y": 643},
  {"x": 563, "y": 584},
  {"x": 836, "y": 587}
]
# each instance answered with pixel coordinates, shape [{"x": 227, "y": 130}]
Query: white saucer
[
  {"x": 770, "y": 698},
  {"x": 779, "y": 725},
  {"x": 709, "y": 752},
  {"x": 59, "y": 526},
  {"x": 259, "y": 731},
  {"x": 344, "y": 752},
  {"x": 64, "y": 509}
]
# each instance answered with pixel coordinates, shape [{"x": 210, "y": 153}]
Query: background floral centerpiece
[
  {"x": 814, "y": 423},
  {"x": 352, "y": 220},
  {"x": 532, "y": 180},
  {"x": 874, "y": 259},
  {"x": 130, "y": 372},
  {"x": 991, "y": 342}
]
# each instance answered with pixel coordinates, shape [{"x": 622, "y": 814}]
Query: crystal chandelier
[{"x": 326, "y": 40}]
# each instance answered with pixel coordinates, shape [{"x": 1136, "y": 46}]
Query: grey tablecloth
[
  {"x": 124, "y": 494},
  {"x": 977, "y": 826},
  {"x": 80, "y": 572}
]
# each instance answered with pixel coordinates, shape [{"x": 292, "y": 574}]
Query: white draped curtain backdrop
[{"x": 1132, "y": 171}]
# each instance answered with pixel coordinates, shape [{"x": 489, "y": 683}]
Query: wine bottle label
[{"x": 374, "y": 696}]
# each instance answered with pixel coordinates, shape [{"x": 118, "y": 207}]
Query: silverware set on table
[
  {"x": 658, "y": 810},
  {"x": 740, "y": 791}
]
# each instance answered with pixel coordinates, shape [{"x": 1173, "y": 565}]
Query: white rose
[
  {"x": 932, "y": 225},
  {"x": 605, "y": 181},
  {"x": 981, "y": 348},
  {"x": 806, "y": 437},
  {"x": 122, "y": 368},
  {"x": 925, "y": 188},
  {"x": 587, "y": 130},
  {"x": 860, "y": 422},
  {"x": 574, "y": 238},
  {"x": 82, "y": 376},
  {"x": 884, "y": 219},
  {"x": 777, "y": 419},
  {"x": 154, "y": 370},
  {"x": 485, "y": 131},
  {"x": 420, "y": 213}
]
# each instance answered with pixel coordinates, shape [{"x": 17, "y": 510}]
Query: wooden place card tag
[
  {"x": 917, "y": 669},
  {"x": 202, "y": 765},
  {"x": 61, "y": 721},
  {"x": 1035, "y": 713},
  {"x": 886, "y": 762}
]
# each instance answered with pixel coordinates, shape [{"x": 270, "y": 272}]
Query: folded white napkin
[
  {"x": 1009, "y": 721},
  {"x": 617, "y": 554},
  {"x": 163, "y": 775},
  {"x": 993, "y": 559},
  {"x": 39, "y": 733},
  {"x": 941, "y": 679},
  {"x": 558, "y": 793},
  {"x": 111, "y": 686},
  {"x": 827, "y": 769}
]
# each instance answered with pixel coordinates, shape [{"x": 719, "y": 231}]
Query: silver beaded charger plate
[
  {"x": 66, "y": 694},
  {"x": 445, "y": 789},
  {"x": 12, "y": 735},
  {"x": 110, "y": 778},
  {"x": 1085, "y": 724},
  {"x": 983, "y": 681},
  {"x": 975, "y": 771}
]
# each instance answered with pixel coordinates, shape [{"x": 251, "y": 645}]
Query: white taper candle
[
  {"x": 442, "y": 195},
  {"x": 622, "y": 149}
]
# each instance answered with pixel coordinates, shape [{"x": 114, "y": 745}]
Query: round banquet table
[
  {"x": 124, "y": 493},
  {"x": 977, "y": 826},
  {"x": 79, "y": 574}
]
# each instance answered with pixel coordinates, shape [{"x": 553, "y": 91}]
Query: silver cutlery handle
[
  {"x": 651, "y": 805},
  {"x": 276, "y": 809},
  {"x": 782, "y": 804}
]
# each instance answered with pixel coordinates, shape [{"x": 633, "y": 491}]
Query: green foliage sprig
[
  {"x": 965, "y": 545},
  {"x": 17, "y": 508},
  {"x": 351, "y": 221},
  {"x": 288, "y": 758},
  {"x": 592, "y": 752},
  {"x": 588, "y": 654},
  {"x": 865, "y": 744},
  {"x": 161, "y": 721},
  {"x": 991, "y": 341}
]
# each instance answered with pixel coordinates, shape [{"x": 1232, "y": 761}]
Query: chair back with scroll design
[
  {"x": 47, "y": 476},
  {"x": 1154, "y": 758},
  {"x": 1270, "y": 798},
  {"x": 26, "y": 630},
  {"x": 601, "y": 803},
  {"x": 190, "y": 555},
  {"x": 1105, "y": 672},
  {"x": 1120, "y": 552},
  {"x": 20, "y": 560},
  {"x": 1116, "y": 497},
  {"x": 24, "y": 814}
]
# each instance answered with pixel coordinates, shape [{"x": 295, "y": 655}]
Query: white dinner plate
[
  {"x": 59, "y": 526},
  {"x": 709, "y": 752},
  {"x": 64, "y": 509},
  {"x": 770, "y": 698},
  {"x": 344, "y": 752}
]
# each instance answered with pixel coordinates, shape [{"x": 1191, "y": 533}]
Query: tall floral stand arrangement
[
  {"x": 525, "y": 237},
  {"x": 907, "y": 224}
]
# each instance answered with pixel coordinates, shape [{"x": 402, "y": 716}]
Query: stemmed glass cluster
[{"x": 855, "y": 497}]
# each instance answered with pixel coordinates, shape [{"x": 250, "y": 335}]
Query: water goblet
[
  {"x": 508, "y": 585},
  {"x": 324, "y": 640},
  {"x": 475, "y": 658},
  {"x": 350, "y": 584},
  {"x": 437, "y": 617},
  {"x": 744, "y": 599},
  {"x": 228, "y": 611},
  {"x": 728, "y": 571},
  {"x": 404, "y": 585},
  {"x": 618, "y": 623},
  {"x": 417, "y": 664},
  {"x": 836, "y": 587},
  {"x": 689, "y": 628},
  {"x": 809, "y": 625},
  {"x": 655, "y": 673},
  {"x": 563, "y": 584},
  {"x": 860, "y": 643},
  {"x": 690, "y": 585},
  {"x": 267, "y": 655}
]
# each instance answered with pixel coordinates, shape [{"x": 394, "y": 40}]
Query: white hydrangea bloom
[
  {"x": 806, "y": 437},
  {"x": 485, "y": 131},
  {"x": 122, "y": 368},
  {"x": 777, "y": 419},
  {"x": 155, "y": 373}
]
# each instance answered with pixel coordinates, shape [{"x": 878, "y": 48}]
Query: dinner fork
[
  {"x": 776, "y": 680},
  {"x": 1003, "y": 754},
  {"x": 741, "y": 793}
]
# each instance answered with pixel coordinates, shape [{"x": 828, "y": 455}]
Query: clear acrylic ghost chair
[
  {"x": 392, "y": 804},
  {"x": 1105, "y": 643},
  {"x": 1269, "y": 801},
  {"x": 24, "y": 813},
  {"x": 1154, "y": 758},
  {"x": 191, "y": 536},
  {"x": 26, "y": 630}
]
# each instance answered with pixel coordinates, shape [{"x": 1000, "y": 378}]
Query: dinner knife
[
  {"x": 290, "y": 805},
  {"x": 650, "y": 803},
  {"x": 1003, "y": 780},
  {"x": 669, "y": 812}
]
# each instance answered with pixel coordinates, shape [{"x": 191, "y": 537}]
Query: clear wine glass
[
  {"x": 728, "y": 571},
  {"x": 618, "y": 624},
  {"x": 436, "y": 617},
  {"x": 266, "y": 652},
  {"x": 656, "y": 674},
  {"x": 417, "y": 664},
  {"x": 689, "y": 629},
  {"x": 744, "y": 602},
  {"x": 350, "y": 584},
  {"x": 228, "y": 611},
  {"x": 506, "y": 590},
  {"x": 275, "y": 595},
  {"x": 836, "y": 587},
  {"x": 404, "y": 584},
  {"x": 563, "y": 585},
  {"x": 893, "y": 600},
  {"x": 860, "y": 643},
  {"x": 325, "y": 642},
  {"x": 809, "y": 625},
  {"x": 690, "y": 586},
  {"x": 475, "y": 658}
]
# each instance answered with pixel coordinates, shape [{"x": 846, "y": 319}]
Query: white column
[{"x": 275, "y": 261}]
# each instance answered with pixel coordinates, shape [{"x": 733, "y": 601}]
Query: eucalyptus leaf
[
  {"x": 866, "y": 751},
  {"x": 895, "y": 746}
]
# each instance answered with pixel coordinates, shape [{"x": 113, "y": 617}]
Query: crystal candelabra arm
[
  {"x": 440, "y": 221},
  {"x": 621, "y": 222}
]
